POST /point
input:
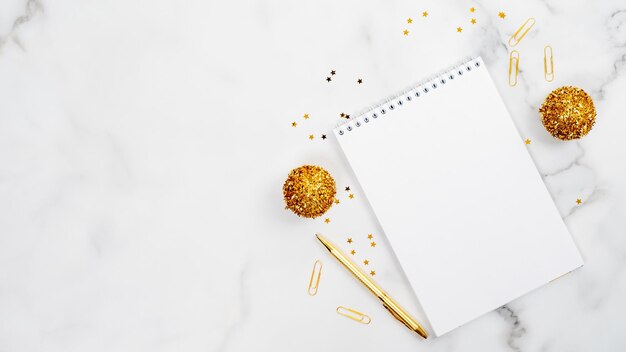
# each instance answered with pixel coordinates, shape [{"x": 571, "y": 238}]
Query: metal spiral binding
[{"x": 425, "y": 86}]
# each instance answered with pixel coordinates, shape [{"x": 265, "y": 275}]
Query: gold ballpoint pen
[{"x": 388, "y": 303}]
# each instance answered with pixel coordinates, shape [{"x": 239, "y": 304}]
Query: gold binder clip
[
  {"x": 521, "y": 32},
  {"x": 548, "y": 72},
  {"x": 316, "y": 274},
  {"x": 354, "y": 315},
  {"x": 513, "y": 75}
]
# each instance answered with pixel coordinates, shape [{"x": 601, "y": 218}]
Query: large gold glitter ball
[
  {"x": 309, "y": 191},
  {"x": 568, "y": 113}
]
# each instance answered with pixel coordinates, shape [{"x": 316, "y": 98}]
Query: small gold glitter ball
[
  {"x": 568, "y": 113},
  {"x": 309, "y": 191}
]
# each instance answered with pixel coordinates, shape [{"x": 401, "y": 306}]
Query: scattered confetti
[
  {"x": 349, "y": 240},
  {"x": 328, "y": 79},
  {"x": 473, "y": 21},
  {"x": 294, "y": 124},
  {"x": 359, "y": 81},
  {"x": 323, "y": 136},
  {"x": 332, "y": 72},
  {"x": 472, "y": 9},
  {"x": 353, "y": 252},
  {"x": 306, "y": 116},
  {"x": 425, "y": 14},
  {"x": 327, "y": 220},
  {"x": 311, "y": 137},
  {"x": 373, "y": 244},
  {"x": 459, "y": 29},
  {"x": 366, "y": 262},
  {"x": 336, "y": 201},
  {"x": 409, "y": 21},
  {"x": 351, "y": 196},
  {"x": 527, "y": 141},
  {"x": 579, "y": 201},
  {"x": 370, "y": 236},
  {"x": 342, "y": 115},
  {"x": 347, "y": 116},
  {"x": 406, "y": 32},
  {"x": 502, "y": 15},
  {"x": 372, "y": 273},
  {"x": 348, "y": 189}
]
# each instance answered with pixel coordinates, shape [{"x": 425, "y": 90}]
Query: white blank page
[{"x": 458, "y": 196}]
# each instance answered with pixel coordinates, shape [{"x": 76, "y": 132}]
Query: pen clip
[{"x": 395, "y": 315}]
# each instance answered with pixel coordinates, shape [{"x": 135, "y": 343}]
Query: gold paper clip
[
  {"x": 354, "y": 315},
  {"x": 548, "y": 72},
  {"x": 513, "y": 77},
  {"x": 521, "y": 32},
  {"x": 317, "y": 272}
]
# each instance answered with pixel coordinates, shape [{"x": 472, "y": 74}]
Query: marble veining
[{"x": 143, "y": 146}]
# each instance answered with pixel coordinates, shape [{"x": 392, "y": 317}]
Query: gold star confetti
[
  {"x": 311, "y": 137},
  {"x": 306, "y": 116},
  {"x": 406, "y": 32},
  {"x": 349, "y": 240},
  {"x": 502, "y": 15},
  {"x": 425, "y": 14},
  {"x": 342, "y": 115},
  {"x": 527, "y": 141},
  {"x": 348, "y": 189},
  {"x": 459, "y": 29},
  {"x": 359, "y": 81},
  {"x": 336, "y": 201},
  {"x": 578, "y": 201},
  {"x": 294, "y": 124},
  {"x": 366, "y": 262},
  {"x": 409, "y": 21},
  {"x": 473, "y": 21},
  {"x": 472, "y": 9},
  {"x": 327, "y": 220},
  {"x": 370, "y": 236},
  {"x": 373, "y": 244},
  {"x": 353, "y": 252},
  {"x": 351, "y": 196},
  {"x": 372, "y": 273}
]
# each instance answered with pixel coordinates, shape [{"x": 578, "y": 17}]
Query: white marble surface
[{"x": 143, "y": 146}]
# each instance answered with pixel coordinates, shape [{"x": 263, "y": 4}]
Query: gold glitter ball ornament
[
  {"x": 568, "y": 113},
  {"x": 309, "y": 191}
]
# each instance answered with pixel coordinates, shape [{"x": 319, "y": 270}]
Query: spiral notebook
[{"x": 458, "y": 196}]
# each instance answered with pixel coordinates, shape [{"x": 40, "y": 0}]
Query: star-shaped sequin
[
  {"x": 459, "y": 29},
  {"x": 472, "y": 9},
  {"x": 328, "y": 79},
  {"x": 473, "y": 21},
  {"x": 579, "y": 201},
  {"x": 349, "y": 240},
  {"x": 306, "y": 116},
  {"x": 336, "y": 201},
  {"x": 347, "y": 189},
  {"x": 359, "y": 81},
  {"x": 502, "y": 15},
  {"x": 327, "y": 220},
  {"x": 370, "y": 236},
  {"x": 351, "y": 196},
  {"x": 294, "y": 124},
  {"x": 353, "y": 252},
  {"x": 366, "y": 262},
  {"x": 372, "y": 273},
  {"x": 347, "y": 116},
  {"x": 332, "y": 72},
  {"x": 373, "y": 244},
  {"x": 323, "y": 136},
  {"x": 311, "y": 137},
  {"x": 425, "y": 14},
  {"x": 409, "y": 20},
  {"x": 406, "y": 32},
  {"x": 342, "y": 115},
  {"x": 527, "y": 141}
]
